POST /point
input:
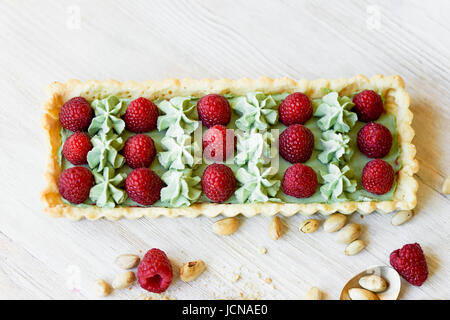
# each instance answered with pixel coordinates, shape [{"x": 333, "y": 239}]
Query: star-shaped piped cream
[
  {"x": 336, "y": 182},
  {"x": 256, "y": 110},
  {"x": 107, "y": 115},
  {"x": 105, "y": 151},
  {"x": 257, "y": 184},
  {"x": 334, "y": 113},
  {"x": 107, "y": 193},
  {"x": 179, "y": 117}
]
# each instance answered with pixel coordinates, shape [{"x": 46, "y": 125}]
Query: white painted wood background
[{"x": 43, "y": 41}]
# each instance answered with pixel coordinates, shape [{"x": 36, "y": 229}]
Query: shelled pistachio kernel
[
  {"x": 354, "y": 247},
  {"x": 192, "y": 270},
  {"x": 309, "y": 226},
  {"x": 401, "y": 217},
  {"x": 349, "y": 233},
  {"x": 373, "y": 283},
  {"x": 124, "y": 280},
  {"x": 102, "y": 288},
  {"x": 226, "y": 226},
  {"x": 362, "y": 294},
  {"x": 335, "y": 222},
  {"x": 275, "y": 228},
  {"x": 127, "y": 261}
]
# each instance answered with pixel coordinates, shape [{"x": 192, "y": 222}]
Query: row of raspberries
[{"x": 296, "y": 145}]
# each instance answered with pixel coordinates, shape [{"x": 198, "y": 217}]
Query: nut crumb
[
  {"x": 154, "y": 297},
  {"x": 268, "y": 280},
  {"x": 262, "y": 250},
  {"x": 235, "y": 277}
]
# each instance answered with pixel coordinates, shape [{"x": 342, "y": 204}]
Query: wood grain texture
[{"x": 48, "y": 258}]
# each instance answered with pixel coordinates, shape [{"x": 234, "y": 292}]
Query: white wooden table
[{"x": 43, "y": 41}]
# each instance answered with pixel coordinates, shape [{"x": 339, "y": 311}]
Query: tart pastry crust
[{"x": 397, "y": 102}]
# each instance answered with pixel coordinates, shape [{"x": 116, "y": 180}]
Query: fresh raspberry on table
[
  {"x": 143, "y": 186},
  {"x": 368, "y": 105},
  {"x": 154, "y": 272},
  {"x": 139, "y": 151},
  {"x": 377, "y": 176},
  {"x": 76, "y": 114},
  {"x": 141, "y": 115},
  {"x": 299, "y": 181},
  {"x": 296, "y": 108},
  {"x": 218, "y": 143},
  {"x": 374, "y": 140},
  {"x": 214, "y": 109},
  {"x": 75, "y": 183},
  {"x": 296, "y": 143},
  {"x": 410, "y": 263},
  {"x": 76, "y": 148},
  {"x": 218, "y": 182}
]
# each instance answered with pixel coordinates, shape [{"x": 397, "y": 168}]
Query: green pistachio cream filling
[{"x": 257, "y": 166}]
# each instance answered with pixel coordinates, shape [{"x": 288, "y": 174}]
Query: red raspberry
[
  {"x": 410, "y": 263},
  {"x": 295, "y": 109},
  {"x": 154, "y": 272},
  {"x": 296, "y": 143},
  {"x": 368, "y": 105},
  {"x": 75, "y": 183},
  {"x": 76, "y": 114},
  {"x": 377, "y": 176},
  {"x": 214, "y": 109},
  {"x": 141, "y": 116},
  {"x": 374, "y": 140},
  {"x": 139, "y": 151},
  {"x": 218, "y": 143},
  {"x": 143, "y": 186},
  {"x": 299, "y": 181},
  {"x": 218, "y": 182},
  {"x": 76, "y": 148}
]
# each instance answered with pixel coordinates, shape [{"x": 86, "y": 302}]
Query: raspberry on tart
[
  {"x": 139, "y": 151},
  {"x": 218, "y": 143},
  {"x": 299, "y": 181},
  {"x": 75, "y": 183},
  {"x": 377, "y": 177},
  {"x": 76, "y": 148},
  {"x": 154, "y": 272},
  {"x": 374, "y": 140},
  {"x": 141, "y": 116},
  {"x": 368, "y": 105},
  {"x": 76, "y": 114},
  {"x": 296, "y": 143},
  {"x": 218, "y": 182},
  {"x": 143, "y": 186},
  {"x": 410, "y": 263},
  {"x": 214, "y": 109},
  {"x": 296, "y": 108}
]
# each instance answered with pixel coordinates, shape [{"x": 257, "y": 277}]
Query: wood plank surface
[{"x": 44, "y": 41}]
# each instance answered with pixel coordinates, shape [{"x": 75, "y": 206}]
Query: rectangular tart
[{"x": 391, "y": 88}]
